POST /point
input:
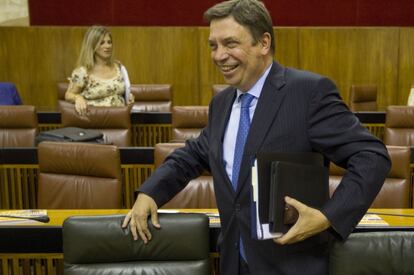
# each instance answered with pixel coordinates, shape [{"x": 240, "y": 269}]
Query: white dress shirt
[{"x": 230, "y": 135}]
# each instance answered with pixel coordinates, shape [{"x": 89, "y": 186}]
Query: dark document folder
[
  {"x": 308, "y": 184},
  {"x": 262, "y": 218}
]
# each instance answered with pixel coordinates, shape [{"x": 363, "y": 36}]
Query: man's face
[{"x": 238, "y": 57}]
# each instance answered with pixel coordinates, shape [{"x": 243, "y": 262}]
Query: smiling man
[{"x": 267, "y": 108}]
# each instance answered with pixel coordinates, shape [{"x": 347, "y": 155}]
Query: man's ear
[{"x": 265, "y": 42}]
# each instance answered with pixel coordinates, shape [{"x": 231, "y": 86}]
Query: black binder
[
  {"x": 308, "y": 184},
  {"x": 271, "y": 208}
]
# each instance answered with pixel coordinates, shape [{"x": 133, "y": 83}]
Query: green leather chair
[
  {"x": 379, "y": 253},
  {"x": 98, "y": 245}
]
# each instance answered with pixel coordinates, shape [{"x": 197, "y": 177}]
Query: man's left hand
[{"x": 310, "y": 222}]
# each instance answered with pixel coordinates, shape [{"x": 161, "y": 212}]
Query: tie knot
[{"x": 246, "y": 99}]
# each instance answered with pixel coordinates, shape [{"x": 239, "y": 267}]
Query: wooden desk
[
  {"x": 398, "y": 219},
  {"x": 38, "y": 248},
  {"x": 47, "y": 238}
]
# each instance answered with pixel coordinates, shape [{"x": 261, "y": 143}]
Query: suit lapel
[
  {"x": 266, "y": 110},
  {"x": 225, "y": 108}
]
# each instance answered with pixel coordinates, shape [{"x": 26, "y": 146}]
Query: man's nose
[{"x": 220, "y": 54}]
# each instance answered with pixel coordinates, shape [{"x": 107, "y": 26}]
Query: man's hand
[
  {"x": 310, "y": 222},
  {"x": 143, "y": 207}
]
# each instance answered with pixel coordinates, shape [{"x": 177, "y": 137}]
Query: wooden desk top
[
  {"x": 395, "y": 217},
  {"x": 47, "y": 238}
]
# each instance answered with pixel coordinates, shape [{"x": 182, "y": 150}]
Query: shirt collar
[{"x": 256, "y": 90}]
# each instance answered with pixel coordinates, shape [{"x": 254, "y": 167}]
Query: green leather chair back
[
  {"x": 379, "y": 253},
  {"x": 98, "y": 245}
]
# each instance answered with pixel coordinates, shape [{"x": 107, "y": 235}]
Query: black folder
[
  {"x": 267, "y": 214},
  {"x": 308, "y": 184}
]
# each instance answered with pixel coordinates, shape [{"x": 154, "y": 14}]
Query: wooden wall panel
[
  {"x": 36, "y": 58},
  {"x": 353, "y": 56},
  {"x": 287, "y": 50},
  {"x": 406, "y": 64},
  {"x": 161, "y": 55}
]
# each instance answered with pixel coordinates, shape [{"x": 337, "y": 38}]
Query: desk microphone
[{"x": 44, "y": 219}]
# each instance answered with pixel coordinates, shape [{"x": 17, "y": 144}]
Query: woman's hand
[
  {"x": 81, "y": 106},
  {"x": 131, "y": 99}
]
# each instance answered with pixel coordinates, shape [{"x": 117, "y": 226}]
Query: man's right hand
[{"x": 143, "y": 207}]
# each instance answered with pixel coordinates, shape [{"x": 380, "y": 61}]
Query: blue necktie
[
  {"x": 244, "y": 125},
  {"x": 242, "y": 132}
]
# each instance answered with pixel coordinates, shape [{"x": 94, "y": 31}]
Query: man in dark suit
[{"x": 289, "y": 111}]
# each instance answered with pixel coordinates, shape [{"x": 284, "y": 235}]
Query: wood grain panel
[
  {"x": 353, "y": 56},
  {"x": 161, "y": 55},
  {"x": 36, "y": 58},
  {"x": 406, "y": 64},
  {"x": 287, "y": 51}
]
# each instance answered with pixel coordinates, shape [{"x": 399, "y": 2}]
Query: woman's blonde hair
[{"x": 89, "y": 45}]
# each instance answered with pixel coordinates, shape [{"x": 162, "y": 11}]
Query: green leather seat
[
  {"x": 98, "y": 245},
  {"x": 379, "y": 253}
]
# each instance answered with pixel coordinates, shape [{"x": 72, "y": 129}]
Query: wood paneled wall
[{"x": 36, "y": 58}]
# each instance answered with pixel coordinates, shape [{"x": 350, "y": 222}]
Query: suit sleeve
[
  {"x": 183, "y": 165},
  {"x": 337, "y": 133}
]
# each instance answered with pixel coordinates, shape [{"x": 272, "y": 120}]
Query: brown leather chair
[
  {"x": 218, "y": 88},
  {"x": 18, "y": 126},
  {"x": 113, "y": 122},
  {"x": 61, "y": 89},
  {"x": 199, "y": 193},
  {"x": 399, "y": 126},
  {"x": 79, "y": 175},
  {"x": 397, "y": 189},
  {"x": 363, "y": 98},
  {"x": 188, "y": 121},
  {"x": 148, "y": 97},
  {"x": 152, "y": 97}
]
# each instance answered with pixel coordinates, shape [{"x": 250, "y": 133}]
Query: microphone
[{"x": 43, "y": 219}]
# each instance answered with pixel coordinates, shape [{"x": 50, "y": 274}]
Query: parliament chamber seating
[
  {"x": 218, "y": 88},
  {"x": 188, "y": 121},
  {"x": 61, "y": 89},
  {"x": 199, "y": 192},
  {"x": 113, "y": 122},
  {"x": 397, "y": 189},
  {"x": 18, "y": 126},
  {"x": 98, "y": 245},
  {"x": 363, "y": 98},
  {"x": 148, "y": 97},
  {"x": 152, "y": 97},
  {"x": 399, "y": 126},
  {"x": 79, "y": 176}
]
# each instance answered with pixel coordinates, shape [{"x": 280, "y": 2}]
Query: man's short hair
[{"x": 251, "y": 14}]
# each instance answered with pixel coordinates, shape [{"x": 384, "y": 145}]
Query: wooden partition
[{"x": 36, "y": 58}]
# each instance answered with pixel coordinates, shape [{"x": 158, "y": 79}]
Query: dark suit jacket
[{"x": 297, "y": 111}]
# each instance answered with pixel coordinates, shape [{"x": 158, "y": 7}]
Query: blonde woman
[{"x": 98, "y": 80}]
